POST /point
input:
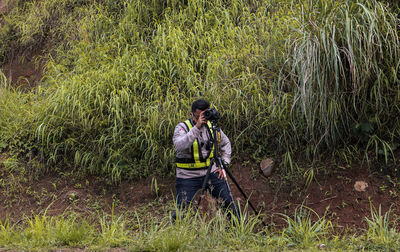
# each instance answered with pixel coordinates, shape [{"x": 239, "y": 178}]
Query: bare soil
[
  {"x": 24, "y": 72},
  {"x": 331, "y": 195},
  {"x": 3, "y": 7}
]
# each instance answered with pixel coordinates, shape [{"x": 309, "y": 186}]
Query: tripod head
[
  {"x": 215, "y": 126},
  {"x": 215, "y": 138}
]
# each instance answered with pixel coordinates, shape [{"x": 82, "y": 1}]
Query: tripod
[{"x": 221, "y": 165}]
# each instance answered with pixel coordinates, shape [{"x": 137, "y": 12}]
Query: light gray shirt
[{"x": 183, "y": 141}]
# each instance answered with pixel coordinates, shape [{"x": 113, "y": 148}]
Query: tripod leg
[
  {"x": 235, "y": 207},
  {"x": 205, "y": 181},
  {"x": 241, "y": 191}
]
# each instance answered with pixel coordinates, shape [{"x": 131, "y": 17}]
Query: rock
[
  {"x": 321, "y": 246},
  {"x": 360, "y": 186},
  {"x": 267, "y": 165}
]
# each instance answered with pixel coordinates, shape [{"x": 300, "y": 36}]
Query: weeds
[
  {"x": 292, "y": 79},
  {"x": 196, "y": 230},
  {"x": 302, "y": 230},
  {"x": 381, "y": 232},
  {"x": 154, "y": 186},
  {"x": 335, "y": 80},
  {"x": 114, "y": 232},
  {"x": 6, "y": 233},
  {"x": 72, "y": 231},
  {"x": 243, "y": 225}
]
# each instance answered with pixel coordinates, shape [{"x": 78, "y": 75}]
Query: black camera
[{"x": 211, "y": 115}]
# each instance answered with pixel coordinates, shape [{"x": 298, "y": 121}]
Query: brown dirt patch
[
  {"x": 55, "y": 195},
  {"x": 3, "y": 7},
  {"x": 24, "y": 73},
  {"x": 332, "y": 195}
]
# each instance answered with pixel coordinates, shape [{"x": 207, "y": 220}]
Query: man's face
[{"x": 196, "y": 114}]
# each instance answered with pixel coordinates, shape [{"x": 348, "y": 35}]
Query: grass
[
  {"x": 302, "y": 231},
  {"x": 195, "y": 231},
  {"x": 381, "y": 231},
  {"x": 294, "y": 80},
  {"x": 340, "y": 72},
  {"x": 291, "y": 78}
]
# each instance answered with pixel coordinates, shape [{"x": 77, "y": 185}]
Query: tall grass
[
  {"x": 35, "y": 26},
  {"x": 290, "y": 78},
  {"x": 114, "y": 111},
  {"x": 343, "y": 72},
  {"x": 17, "y": 115}
]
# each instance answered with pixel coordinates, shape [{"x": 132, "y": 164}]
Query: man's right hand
[{"x": 201, "y": 121}]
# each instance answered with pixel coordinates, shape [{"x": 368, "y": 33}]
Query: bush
[{"x": 289, "y": 77}]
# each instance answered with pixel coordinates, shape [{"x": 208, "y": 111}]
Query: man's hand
[
  {"x": 220, "y": 173},
  {"x": 201, "y": 120}
]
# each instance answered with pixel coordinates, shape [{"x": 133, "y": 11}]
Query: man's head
[{"x": 199, "y": 106}]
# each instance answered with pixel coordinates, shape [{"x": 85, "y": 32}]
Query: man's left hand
[{"x": 220, "y": 173}]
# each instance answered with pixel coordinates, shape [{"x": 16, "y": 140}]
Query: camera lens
[{"x": 211, "y": 115}]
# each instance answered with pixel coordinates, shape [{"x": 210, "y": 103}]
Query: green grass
[
  {"x": 342, "y": 71},
  {"x": 195, "y": 231},
  {"x": 296, "y": 80},
  {"x": 382, "y": 233},
  {"x": 291, "y": 78},
  {"x": 302, "y": 231}
]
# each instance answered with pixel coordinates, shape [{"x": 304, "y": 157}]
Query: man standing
[{"x": 194, "y": 150}]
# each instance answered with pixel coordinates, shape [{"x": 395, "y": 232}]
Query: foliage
[
  {"x": 31, "y": 25},
  {"x": 114, "y": 232},
  {"x": 302, "y": 230},
  {"x": 381, "y": 232},
  {"x": 343, "y": 72},
  {"x": 291, "y": 78},
  {"x": 116, "y": 106},
  {"x": 17, "y": 116},
  {"x": 194, "y": 231}
]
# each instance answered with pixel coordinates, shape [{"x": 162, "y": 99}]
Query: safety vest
[{"x": 196, "y": 161}]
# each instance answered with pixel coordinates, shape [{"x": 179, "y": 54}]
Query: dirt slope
[{"x": 331, "y": 195}]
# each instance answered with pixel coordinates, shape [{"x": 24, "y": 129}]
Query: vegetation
[
  {"x": 297, "y": 80},
  {"x": 193, "y": 232},
  {"x": 289, "y": 77}
]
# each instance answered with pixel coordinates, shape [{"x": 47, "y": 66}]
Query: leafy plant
[
  {"x": 154, "y": 186},
  {"x": 381, "y": 233},
  {"x": 302, "y": 230},
  {"x": 113, "y": 232}
]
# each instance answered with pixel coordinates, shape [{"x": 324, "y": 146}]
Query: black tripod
[{"x": 221, "y": 165}]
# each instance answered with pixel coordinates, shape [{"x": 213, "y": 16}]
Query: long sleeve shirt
[{"x": 183, "y": 141}]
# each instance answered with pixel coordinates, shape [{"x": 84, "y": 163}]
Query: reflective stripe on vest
[{"x": 195, "y": 162}]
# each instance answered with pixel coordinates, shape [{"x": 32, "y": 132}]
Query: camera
[{"x": 211, "y": 115}]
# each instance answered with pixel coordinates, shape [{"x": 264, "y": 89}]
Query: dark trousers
[{"x": 187, "y": 188}]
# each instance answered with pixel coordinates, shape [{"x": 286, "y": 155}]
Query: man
[{"x": 194, "y": 149}]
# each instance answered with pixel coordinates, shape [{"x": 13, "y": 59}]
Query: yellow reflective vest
[{"x": 197, "y": 161}]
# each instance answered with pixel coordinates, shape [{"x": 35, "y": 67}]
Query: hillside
[{"x": 90, "y": 92}]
